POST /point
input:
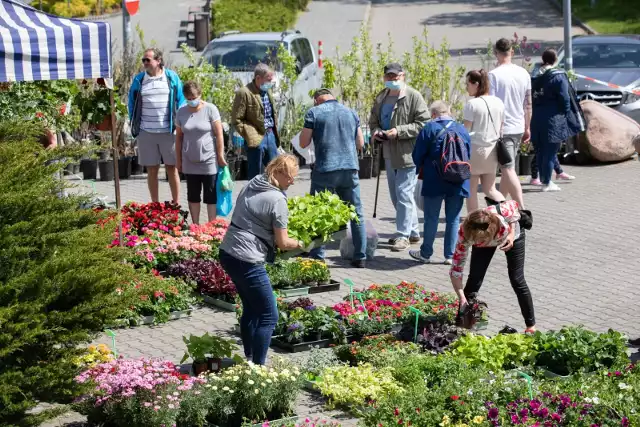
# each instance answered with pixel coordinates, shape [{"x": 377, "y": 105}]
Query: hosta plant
[{"x": 378, "y": 350}]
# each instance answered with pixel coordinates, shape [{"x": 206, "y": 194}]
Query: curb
[
  {"x": 574, "y": 20},
  {"x": 101, "y": 17}
]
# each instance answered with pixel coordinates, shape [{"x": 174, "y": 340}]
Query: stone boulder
[{"x": 609, "y": 135}]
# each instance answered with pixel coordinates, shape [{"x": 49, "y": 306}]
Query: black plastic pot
[
  {"x": 106, "y": 170},
  {"x": 199, "y": 368},
  {"x": 72, "y": 169},
  {"x": 136, "y": 168},
  {"x": 366, "y": 167},
  {"x": 89, "y": 168},
  {"x": 104, "y": 154},
  {"x": 124, "y": 167},
  {"x": 525, "y": 165}
]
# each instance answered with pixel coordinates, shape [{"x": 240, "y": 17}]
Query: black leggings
[{"x": 480, "y": 260}]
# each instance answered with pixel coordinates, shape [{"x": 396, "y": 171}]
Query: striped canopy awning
[{"x": 38, "y": 46}]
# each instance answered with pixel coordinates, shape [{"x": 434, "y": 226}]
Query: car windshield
[
  {"x": 605, "y": 55},
  {"x": 242, "y": 55}
]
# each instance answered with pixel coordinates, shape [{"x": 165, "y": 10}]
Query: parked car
[
  {"x": 241, "y": 52},
  {"x": 612, "y": 59}
]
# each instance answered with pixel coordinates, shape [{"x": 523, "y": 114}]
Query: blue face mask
[
  {"x": 393, "y": 84},
  {"x": 266, "y": 86},
  {"x": 194, "y": 103}
]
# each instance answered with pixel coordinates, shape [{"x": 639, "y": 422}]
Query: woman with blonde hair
[
  {"x": 484, "y": 230},
  {"x": 258, "y": 226}
]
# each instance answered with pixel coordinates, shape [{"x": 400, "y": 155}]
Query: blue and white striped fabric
[{"x": 38, "y": 46}]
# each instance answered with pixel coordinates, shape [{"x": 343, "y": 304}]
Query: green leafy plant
[
  {"x": 317, "y": 217},
  {"x": 317, "y": 361},
  {"x": 379, "y": 350},
  {"x": 201, "y": 347},
  {"x": 94, "y": 103},
  {"x": 575, "y": 349},
  {"x": 269, "y": 16},
  {"x": 503, "y": 351},
  {"x": 354, "y": 386}
]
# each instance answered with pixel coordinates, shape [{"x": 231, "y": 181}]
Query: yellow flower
[
  {"x": 478, "y": 419},
  {"x": 445, "y": 421}
]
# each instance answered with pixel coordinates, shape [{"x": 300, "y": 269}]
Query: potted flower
[
  {"x": 219, "y": 348},
  {"x": 525, "y": 159},
  {"x": 94, "y": 103}
]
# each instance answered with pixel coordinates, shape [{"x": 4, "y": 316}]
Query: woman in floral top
[{"x": 484, "y": 230}]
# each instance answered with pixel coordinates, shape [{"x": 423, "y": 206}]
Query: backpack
[{"x": 453, "y": 165}]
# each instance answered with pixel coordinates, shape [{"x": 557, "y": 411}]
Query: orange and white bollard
[{"x": 320, "y": 54}]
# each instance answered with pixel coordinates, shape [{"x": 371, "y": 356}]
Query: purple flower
[
  {"x": 294, "y": 327},
  {"x": 493, "y": 413}
]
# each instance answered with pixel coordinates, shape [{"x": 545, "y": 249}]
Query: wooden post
[{"x": 116, "y": 171}]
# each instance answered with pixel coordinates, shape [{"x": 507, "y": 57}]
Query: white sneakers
[{"x": 551, "y": 187}]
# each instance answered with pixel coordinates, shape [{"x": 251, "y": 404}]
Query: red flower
[
  {"x": 396, "y": 412},
  {"x": 455, "y": 397}
]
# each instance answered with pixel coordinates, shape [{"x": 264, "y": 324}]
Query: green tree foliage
[{"x": 57, "y": 277}]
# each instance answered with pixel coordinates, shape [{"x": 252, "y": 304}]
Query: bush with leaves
[{"x": 57, "y": 279}]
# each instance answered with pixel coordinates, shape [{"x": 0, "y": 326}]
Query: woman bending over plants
[{"x": 484, "y": 230}]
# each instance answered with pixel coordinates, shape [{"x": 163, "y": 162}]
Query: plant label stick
[
  {"x": 349, "y": 283},
  {"x": 112, "y": 334},
  {"x": 359, "y": 295},
  {"x": 415, "y": 329},
  {"x": 529, "y": 383}
]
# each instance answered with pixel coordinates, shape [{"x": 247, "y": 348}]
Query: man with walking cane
[
  {"x": 398, "y": 115},
  {"x": 336, "y": 134}
]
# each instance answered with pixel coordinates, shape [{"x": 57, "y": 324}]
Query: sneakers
[
  {"x": 418, "y": 257},
  {"x": 414, "y": 239},
  {"x": 393, "y": 240},
  {"x": 565, "y": 177},
  {"x": 358, "y": 263},
  {"x": 401, "y": 244},
  {"x": 448, "y": 261},
  {"x": 551, "y": 187},
  {"x": 535, "y": 181}
]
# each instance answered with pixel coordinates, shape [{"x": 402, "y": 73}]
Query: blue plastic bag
[{"x": 224, "y": 191}]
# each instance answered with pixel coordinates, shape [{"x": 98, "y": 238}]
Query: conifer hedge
[{"x": 57, "y": 278}]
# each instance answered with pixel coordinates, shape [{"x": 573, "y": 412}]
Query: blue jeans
[
  {"x": 260, "y": 156},
  {"x": 259, "y": 308},
  {"x": 548, "y": 154},
  {"x": 452, "y": 208},
  {"x": 401, "y": 185},
  {"x": 346, "y": 184},
  {"x": 534, "y": 164}
]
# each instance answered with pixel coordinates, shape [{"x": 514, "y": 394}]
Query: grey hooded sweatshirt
[{"x": 260, "y": 208}]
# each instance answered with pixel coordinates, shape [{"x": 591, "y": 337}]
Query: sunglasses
[{"x": 145, "y": 60}]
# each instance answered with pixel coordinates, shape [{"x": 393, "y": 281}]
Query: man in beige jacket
[{"x": 398, "y": 115}]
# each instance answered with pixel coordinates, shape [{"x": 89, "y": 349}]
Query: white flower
[
  {"x": 248, "y": 372},
  {"x": 251, "y": 382},
  {"x": 263, "y": 384},
  {"x": 269, "y": 380},
  {"x": 470, "y": 392},
  {"x": 214, "y": 388},
  {"x": 225, "y": 388},
  {"x": 624, "y": 386},
  {"x": 235, "y": 378},
  {"x": 256, "y": 391}
]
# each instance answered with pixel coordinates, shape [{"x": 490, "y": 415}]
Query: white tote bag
[{"x": 308, "y": 153}]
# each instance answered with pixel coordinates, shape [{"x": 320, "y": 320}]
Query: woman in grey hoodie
[{"x": 258, "y": 226}]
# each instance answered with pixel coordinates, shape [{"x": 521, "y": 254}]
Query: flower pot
[
  {"x": 199, "y": 368},
  {"x": 104, "y": 154},
  {"x": 214, "y": 364},
  {"x": 124, "y": 167},
  {"x": 89, "y": 168},
  {"x": 106, "y": 170},
  {"x": 366, "y": 167},
  {"x": 525, "y": 165},
  {"x": 136, "y": 167},
  {"x": 105, "y": 124}
]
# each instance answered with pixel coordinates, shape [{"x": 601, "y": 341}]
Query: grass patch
[
  {"x": 609, "y": 16},
  {"x": 250, "y": 16}
]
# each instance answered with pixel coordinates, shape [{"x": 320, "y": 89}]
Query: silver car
[
  {"x": 241, "y": 52},
  {"x": 612, "y": 59}
]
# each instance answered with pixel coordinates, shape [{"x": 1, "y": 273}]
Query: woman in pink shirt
[{"x": 484, "y": 230}]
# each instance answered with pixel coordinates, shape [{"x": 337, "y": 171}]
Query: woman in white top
[{"x": 483, "y": 118}]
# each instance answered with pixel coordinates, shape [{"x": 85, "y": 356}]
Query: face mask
[
  {"x": 194, "y": 103},
  {"x": 393, "y": 84},
  {"x": 266, "y": 86}
]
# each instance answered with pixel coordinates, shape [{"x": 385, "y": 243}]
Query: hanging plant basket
[{"x": 105, "y": 124}]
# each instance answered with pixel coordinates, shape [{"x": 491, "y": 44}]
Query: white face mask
[{"x": 194, "y": 102}]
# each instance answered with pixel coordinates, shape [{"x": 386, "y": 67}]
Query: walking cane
[{"x": 379, "y": 159}]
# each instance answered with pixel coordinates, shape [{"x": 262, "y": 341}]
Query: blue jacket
[
  {"x": 426, "y": 154},
  {"x": 557, "y": 115},
  {"x": 176, "y": 100}
]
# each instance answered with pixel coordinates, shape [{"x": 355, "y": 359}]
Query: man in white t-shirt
[{"x": 512, "y": 84}]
